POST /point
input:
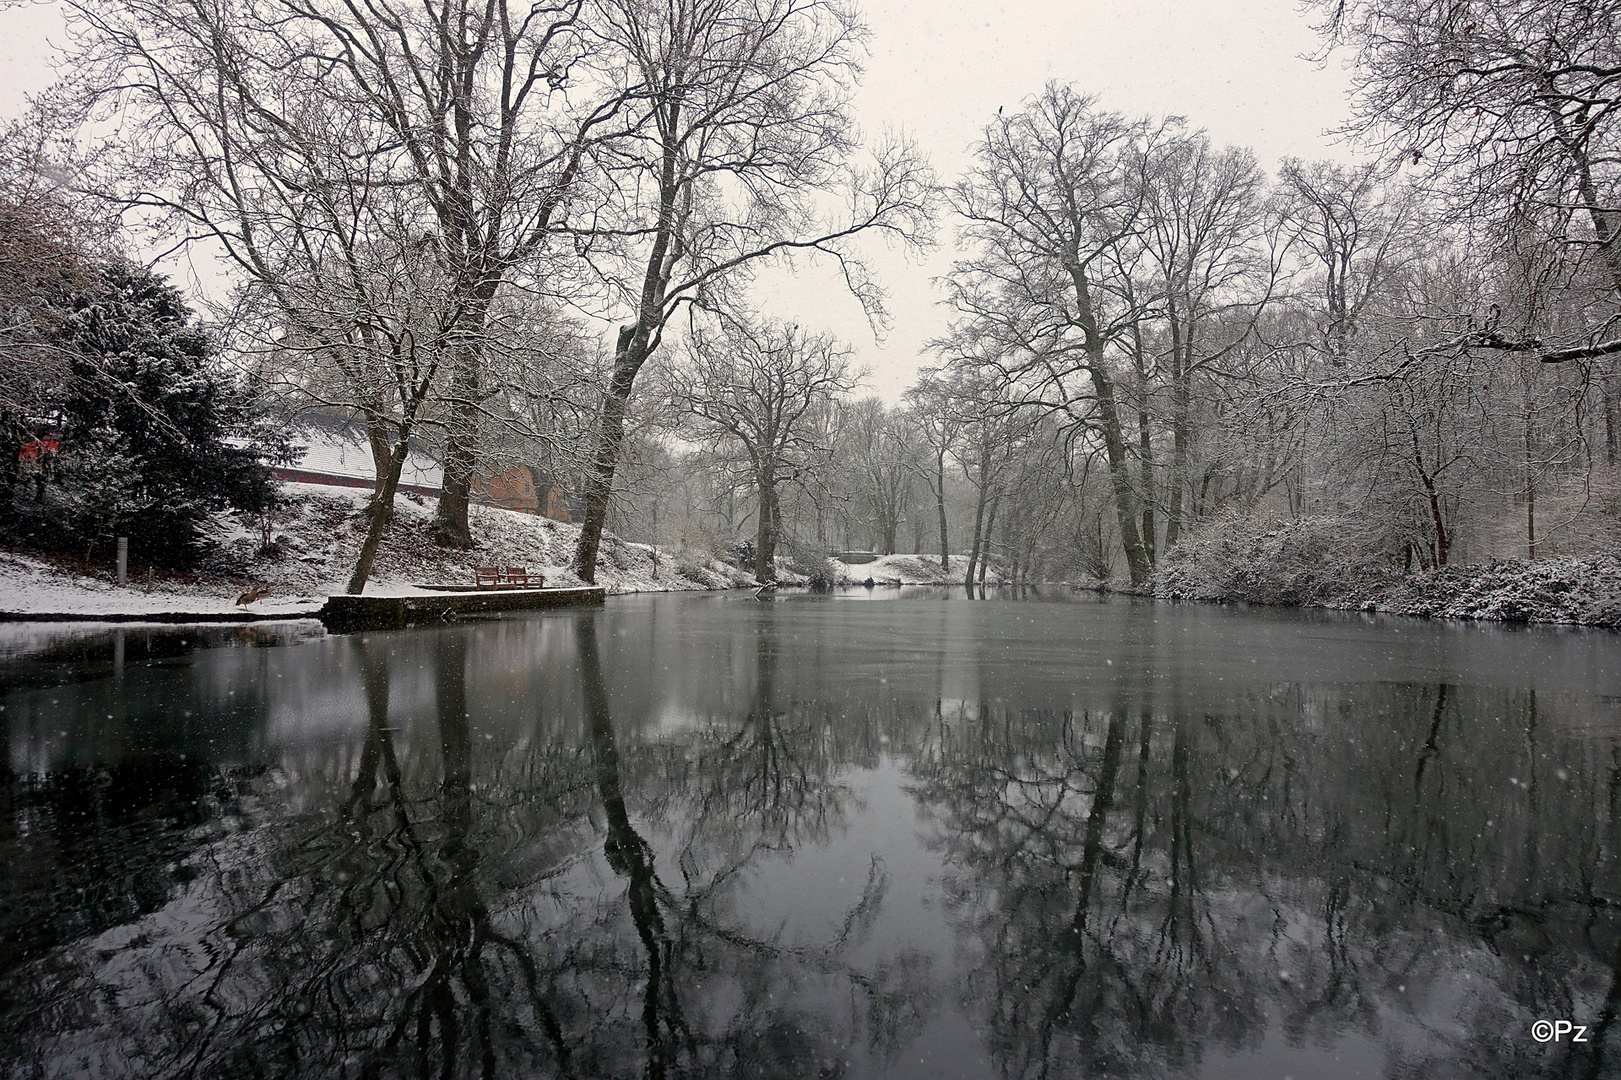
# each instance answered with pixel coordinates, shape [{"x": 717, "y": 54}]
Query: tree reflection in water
[
  {"x": 719, "y": 998},
  {"x": 460, "y": 917},
  {"x": 545, "y": 848},
  {"x": 1253, "y": 872}
]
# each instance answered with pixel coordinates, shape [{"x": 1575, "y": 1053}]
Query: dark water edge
[{"x": 705, "y": 835}]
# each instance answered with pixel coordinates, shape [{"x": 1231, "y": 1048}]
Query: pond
[{"x": 899, "y": 833}]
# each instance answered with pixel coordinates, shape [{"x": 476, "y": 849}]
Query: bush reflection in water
[{"x": 494, "y": 868}]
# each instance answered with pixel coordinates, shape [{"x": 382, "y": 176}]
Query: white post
[{"x": 123, "y": 560}]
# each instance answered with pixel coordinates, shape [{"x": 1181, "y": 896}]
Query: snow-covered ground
[
  {"x": 320, "y": 533},
  {"x": 30, "y": 586},
  {"x": 316, "y": 538},
  {"x": 906, "y": 570}
]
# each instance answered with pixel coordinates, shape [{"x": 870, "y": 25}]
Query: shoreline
[
  {"x": 1610, "y": 621},
  {"x": 1582, "y": 591},
  {"x": 168, "y": 618}
]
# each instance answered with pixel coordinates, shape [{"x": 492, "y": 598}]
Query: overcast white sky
[{"x": 940, "y": 68}]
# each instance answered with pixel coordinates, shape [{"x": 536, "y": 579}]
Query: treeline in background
[{"x": 524, "y": 236}]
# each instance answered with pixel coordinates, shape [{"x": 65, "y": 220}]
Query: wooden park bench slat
[{"x": 503, "y": 577}]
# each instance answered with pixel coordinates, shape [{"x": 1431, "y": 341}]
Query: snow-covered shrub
[
  {"x": 1313, "y": 563},
  {"x": 695, "y": 556},
  {"x": 688, "y": 567},
  {"x": 822, "y": 578},
  {"x": 1570, "y": 590},
  {"x": 1309, "y": 561},
  {"x": 740, "y": 555}
]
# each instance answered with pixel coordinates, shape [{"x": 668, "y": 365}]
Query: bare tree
[
  {"x": 1508, "y": 110},
  {"x": 1430, "y": 428},
  {"x": 746, "y": 130},
  {"x": 1052, "y": 210},
  {"x": 543, "y": 374},
  {"x": 756, "y": 386},
  {"x": 990, "y": 439},
  {"x": 1351, "y": 228},
  {"x": 1206, "y": 244},
  {"x": 877, "y": 445},
  {"x": 820, "y": 496},
  {"x": 928, "y": 403},
  {"x": 376, "y": 176}
]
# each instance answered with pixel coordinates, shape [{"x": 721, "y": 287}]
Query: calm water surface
[{"x": 897, "y": 834}]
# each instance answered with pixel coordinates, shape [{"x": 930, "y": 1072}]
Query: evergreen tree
[{"x": 154, "y": 438}]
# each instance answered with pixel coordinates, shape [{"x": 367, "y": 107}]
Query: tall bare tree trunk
[
  {"x": 765, "y": 532},
  {"x": 985, "y": 548},
  {"x": 1145, "y": 446},
  {"x": 381, "y": 510},
  {"x": 1145, "y": 451},
  {"x": 628, "y": 357},
  {"x": 1607, "y": 381},
  {"x": 633, "y": 346},
  {"x": 382, "y": 451},
  {"x": 1181, "y": 454},
  {"x": 979, "y": 519},
  {"x": 451, "y": 527},
  {"x": 1125, "y": 499},
  {"x": 1114, "y": 440},
  {"x": 1530, "y": 493},
  {"x": 1437, "y": 522}
]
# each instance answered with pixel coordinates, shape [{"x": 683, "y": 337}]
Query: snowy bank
[
  {"x": 889, "y": 570},
  {"x": 1586, "y": 591},
  {"x": 1304, "y": 564},
  {"x": 316, "y": 537},
  {"x": 31, "y": 587}
]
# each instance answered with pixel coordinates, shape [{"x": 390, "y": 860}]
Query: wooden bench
[{"x": 506, "y": 577}]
